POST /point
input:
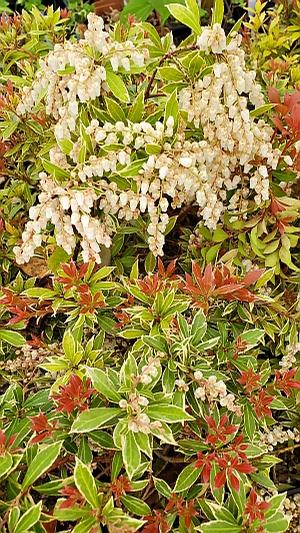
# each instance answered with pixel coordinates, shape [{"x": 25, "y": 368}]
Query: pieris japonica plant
[
  {"x": 140, "y": 127},
  {"x": 144, "y": 393},
  {"x": 155, "y": 410}
]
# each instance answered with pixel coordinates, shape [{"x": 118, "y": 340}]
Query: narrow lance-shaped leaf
[
  {"x": 94, "y": 418},
  {"x": 41, "y": 463},
  {"x": 187, "y": 477},
  {"x": 85, "y": 483},
  {"x": 131, "y": 454},
  {"x": 29, "y": 518}
]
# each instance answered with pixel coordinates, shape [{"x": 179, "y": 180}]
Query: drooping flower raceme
[{"x": 210, "y": 152}]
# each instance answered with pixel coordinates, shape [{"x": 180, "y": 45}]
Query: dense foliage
[{"x": 149, "y": 307}]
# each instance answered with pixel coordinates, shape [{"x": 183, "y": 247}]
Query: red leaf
[
  {"x": 273, "y": 95},
  {"x": 220, "y": 479},
  {"x": 234, "y": 482},
  {"x": 253, "y": 276}
]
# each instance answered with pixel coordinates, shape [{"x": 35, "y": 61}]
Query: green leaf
[
  {"x": 9, "y": 130},
  {"x": 162, "y": 487},
  {"x": 85, "y": 483},
  {"x": 135, "y": 113},
  {"x": 187, "y": 477},
  {"x": 136, "y": 506},
  {"x": 220, "y": 526},
  {"x": 41, "y": 463},
  {"x": 39, "y": 292},
  {"x": 103, "y": 384},
  {"x": 6, "y": 462},
  {"x": 86, "y": 525},
  {"x": 13, "y": 518},
  {"x": 262, "y": 110},
  {"x": 115, "y": 110},
  {"x": 218, "y": 12},
  {"x": 117, "y": 86},
  {"x": 12, "y": 337},
  {"x": 168, "y": 413},
  {"x": 249, "y": 421},
  {"x": 277, "y": 524},
  {"x": 94, "y": 418},
  {"x": 54, "y": 170},
  {"x": 253, "y": 336},
  {"x": 172, "y": 108},
  {"x": 58, "y": 257},
  {"x": 69, "y": 344},
  {"x": 198, "y": 327},
  {"x": 150, "y": 262},
  {"x": 186, "y": 16},
  {"x": 131, "y": 454},
  {"x": 29, "y": 518}
]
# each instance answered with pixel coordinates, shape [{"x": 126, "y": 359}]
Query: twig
[
  {"x": 169, "y": 459},
  {"x": 287, "y": 449},
  {"x": 164, "y": 58}
]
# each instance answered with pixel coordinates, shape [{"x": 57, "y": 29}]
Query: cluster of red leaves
[
  {"x": 250, "y": 380},
  {"x": 277, "y": 65},
  {"x": 219, "y": 283},
  {"x": 255, "y": 509},
  {"x": 74, "y": 395},
  {"x": 277, "y": 208},
  {"x": 43, "y": 428},
  {"x": 229, "y": 463},
  {"x": 88, "y": 301},
  {"x": 24, "y": 308},
  {"x": 6, "y": 21},
  {"x": 185, "y": 509},
  {"x": 6, "y": 442},
  {"x": 287, "y": 118},
  {"x": 219, "y": 433},
  {"x": 240, "y": 347},
  {"x": 261, "y": 402},
  {"x": 73, "y": 497},
  {"x": 286, "y": 381},
  {"x": 121, "y": 314},
  {"x": 73, "y": 277},
  {"x": 157, "y": 523},
  {"x": 154, "y": 283},
  {"x": 120, "y": 486}
]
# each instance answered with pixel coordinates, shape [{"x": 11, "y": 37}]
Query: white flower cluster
[
  {"x": 272, "y": 437},
  {"x": 233, "y": 140},
  {"x": 149, "y": 371},
  {"x": 74, "y": 72},
  {"x": 66, "y": 208},
  {"x": 182, "y": 385},
  {"x": 213, "y": 390},
  {"x": 234, "y": 152},
  {"x": 139, "y": 421},
  {"x": 289, "y": 359},
  {"x": 292, "y": 512}
]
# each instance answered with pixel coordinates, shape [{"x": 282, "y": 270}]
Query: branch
[{"x": 164, "y": 58}]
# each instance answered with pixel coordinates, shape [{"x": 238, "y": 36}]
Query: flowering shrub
[
  {"x": 170, "y": 145},
  {"x": 145, "y": 393}
]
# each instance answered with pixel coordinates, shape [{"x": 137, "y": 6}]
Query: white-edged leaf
[
  {"x": 41, "y": 463},
  {"x": 94, "y": 418},
  {"x": 117, "y": 86},
  {"x": 85, "y": 483},
  {"x": 187, "y": 477},
  {"x": 103, "y": 384},
  {"x": 186, "y": 16},
  {"x": 168, "y": 413},
  {"x": 131, "y": 454},
  {"x": 29, "y": 518}
]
